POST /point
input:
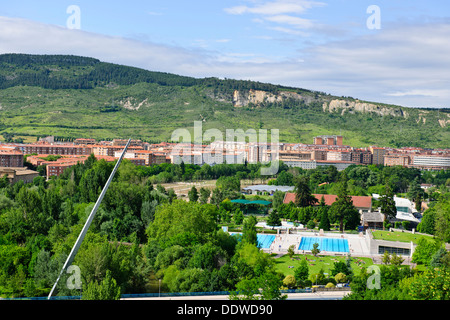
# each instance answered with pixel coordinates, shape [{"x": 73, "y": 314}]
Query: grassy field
[
  {"x": 399, "y": 236},
  {"x": 287, "y": 266}
]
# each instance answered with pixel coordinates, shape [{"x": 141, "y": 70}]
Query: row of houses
[{"x": 325, "y": 151}]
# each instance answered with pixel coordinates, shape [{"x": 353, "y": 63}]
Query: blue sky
[{"x": 320, "y": 45}]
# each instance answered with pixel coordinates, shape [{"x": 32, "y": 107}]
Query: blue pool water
[
  {"x": 264, "y": 240},
  {"x": 325, "y": 244}
]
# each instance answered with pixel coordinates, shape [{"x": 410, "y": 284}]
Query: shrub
[{"x": 340, "y": 277}]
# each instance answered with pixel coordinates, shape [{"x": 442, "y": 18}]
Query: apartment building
[
  {"x": 397, "y": 159},
  {"x": 82, "y": 141},
  {"x": 57, "y": 149},
  {"x": 123, "y": 143},
  {"x": 377, "y": 155},
  {"x": 10, "y": 157},
  {"x": 431, "y": 162},
  {"x": 361, "y": 156},
  {"x": 328, "y": 140},
  {"x": 106, "y": 150},
  {"x": 339, "y": 155}
]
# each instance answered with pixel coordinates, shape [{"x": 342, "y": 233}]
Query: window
[{"x": 390, "y": 250}]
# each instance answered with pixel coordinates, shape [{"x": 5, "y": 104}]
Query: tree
[
  {"x": 249, "y": 234},
  {"x": 265, "y": 287},
  {"x": 238, "y": 216},
  {"x": 387, "y": 203},
  {"x": 291, "y": 251},
  {"x": 324, "y": 223},
  {"x": 289, "y": 281},
  {"x": 303, "y": 196},
  {"x": 107, "y": 289},
  {"x": 204, "y": 195},
  {"x": 343, "y": 208},
  {"x": 315, "y": 250},
  {"x": 193, "y": 194},
  {"x": 431, "y": 285},
  {"x": 443, "y": 218},
  {"x": 273, "y": 219},
  {"x": 278, "y": 198},
  {"x": 302, "y": 271},
  {"x": 340, "y": 277},
  {"x": 228, "y": 183},
  {"x": 180, "y": 217},
  {"x": 416, "y": 193},
  {"x": 427, "y": 225},
  {"x": 424, "y": 251}
]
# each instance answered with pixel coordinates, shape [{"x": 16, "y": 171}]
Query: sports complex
[{"x": 330, "y": 243}]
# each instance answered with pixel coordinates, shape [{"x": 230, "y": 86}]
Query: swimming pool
[
  {"x": 264, "y": 240},
  {"x": 325, "y": 244}
]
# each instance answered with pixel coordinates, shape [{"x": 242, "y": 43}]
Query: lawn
[
  {"x": 287, "y": 266},
  {"x": 399, "y": 236}
]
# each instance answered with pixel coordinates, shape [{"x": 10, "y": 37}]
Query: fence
[{"x": 162, "y": 294}]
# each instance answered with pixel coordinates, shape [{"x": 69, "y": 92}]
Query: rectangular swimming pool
[
  {"x": 325, "y": 244},
  {"x": 264, "y": 240}
]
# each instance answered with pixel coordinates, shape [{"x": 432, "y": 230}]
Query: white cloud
[
  {"x": 281, "y": 12},
  {"x": 293, "y": 21},
  {"x": 406, "y": 65},
  {"x": 276, "y": 7}
]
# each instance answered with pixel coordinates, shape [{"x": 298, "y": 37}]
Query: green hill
[{"x": 70, "y": 97}]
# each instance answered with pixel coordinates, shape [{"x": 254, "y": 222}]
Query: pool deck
[{"x": 356, "y": 243}]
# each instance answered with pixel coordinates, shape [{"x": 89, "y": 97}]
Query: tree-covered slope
[{"x": 70, "y": 97}]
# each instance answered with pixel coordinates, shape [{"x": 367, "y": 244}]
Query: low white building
[{"x": 405, "y": 208}]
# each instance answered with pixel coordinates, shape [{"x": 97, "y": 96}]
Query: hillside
[{"x": 70, "y": 97}]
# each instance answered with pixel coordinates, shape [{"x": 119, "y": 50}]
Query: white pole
[{"x": 89, "y": 220}]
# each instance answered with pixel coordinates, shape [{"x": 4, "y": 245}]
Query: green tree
[
  {"x": 315, "y": 250},
  {"x": 427, "y": 224},
  {"x": 424, "y": 251},
  {"x": 249, "y": 234},
  {"x": 442, "y": 224},
  {"x": 302, "y": 271},
  {"x": 303, "y": 196},
  {"x": 273, "y": 219},
  {"x": 387, "y": 203},
  {"x": 265, "y": 287},
  {"x": 416, "y": 193},
  {"x": 238, "y": 216},
  {"x": 204, "y": 195},
  {"x": 289, "y": 281},
  {"x": 193, "y": 194},
  {"x": 180, "y": 217},
  {"x": 107, "y": 289},
  {"x": 343, "y": 209},
  {"x": 432, "y": 285}
]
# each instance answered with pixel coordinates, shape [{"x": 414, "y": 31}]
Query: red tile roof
[{"x": 358, "y": 201}]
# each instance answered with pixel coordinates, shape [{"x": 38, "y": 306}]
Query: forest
[
  {"x": 144, "y": 233},
  {"x": 74, "y": 72}
]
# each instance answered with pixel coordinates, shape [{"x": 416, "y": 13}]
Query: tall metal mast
[{"x": 89, "y": 220}]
